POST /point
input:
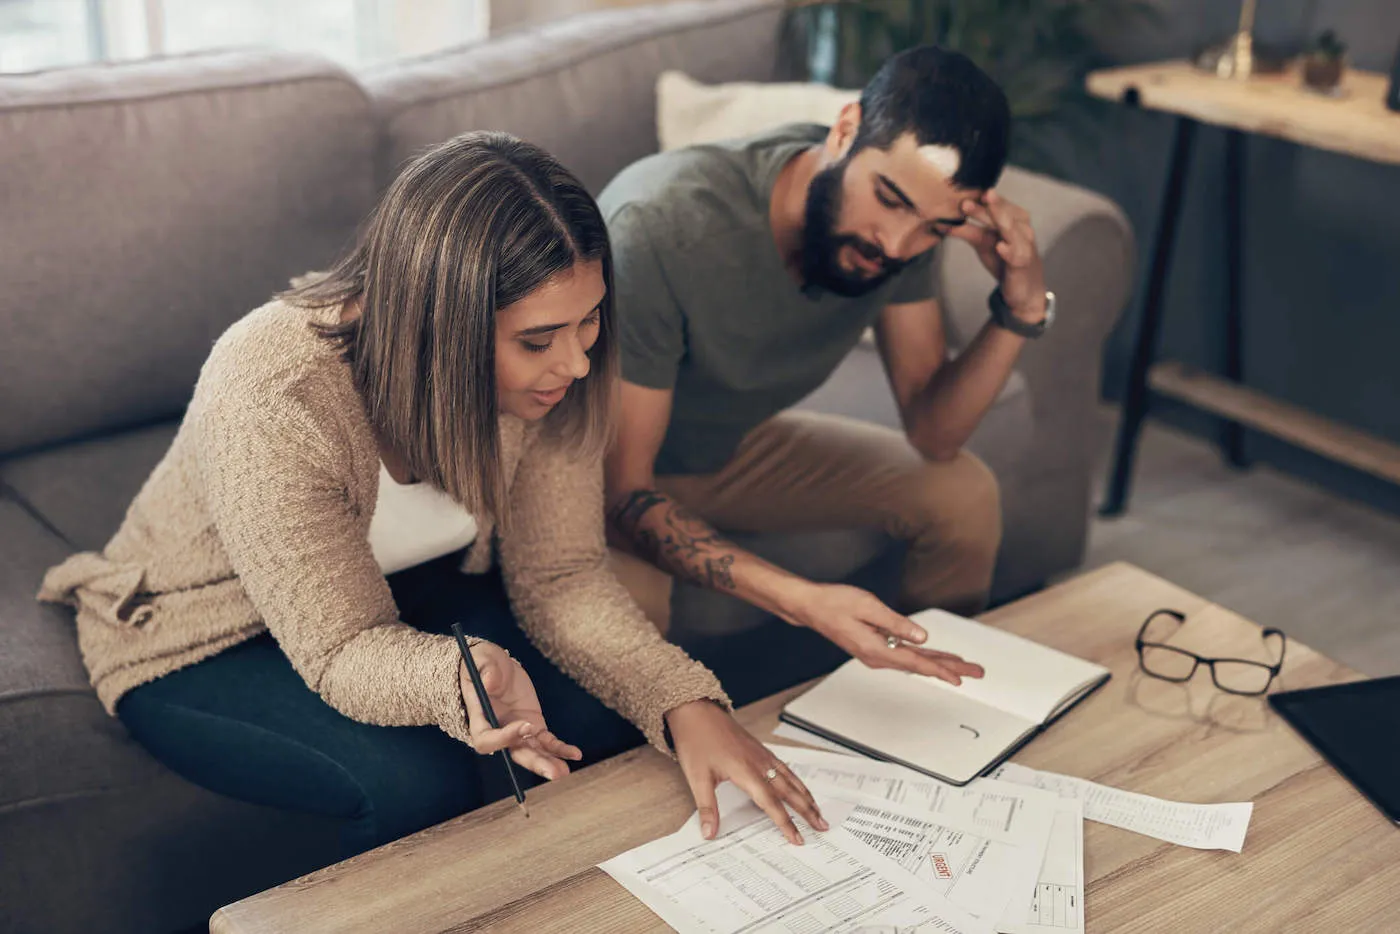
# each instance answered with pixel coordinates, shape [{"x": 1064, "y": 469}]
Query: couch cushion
[
  {"x": 38, "y": 645},
  {"x": 57, "y": 738},
  {"x": 584, "y": 88},
  {"x": 82, "y": 490},
  {"x": 860, "y": 389},
  {"x": 689, "y": 113},
  {"x": 80, "y": 799},
  {"x": 146, "y": 206}
]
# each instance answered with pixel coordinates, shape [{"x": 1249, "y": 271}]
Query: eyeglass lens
[{"x": 1174, "y": 664}]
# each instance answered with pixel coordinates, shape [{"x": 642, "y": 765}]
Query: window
[{"x": 37, "y": 34}]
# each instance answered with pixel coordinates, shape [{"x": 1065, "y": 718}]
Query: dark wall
[{"x": 1322, "y": 238}]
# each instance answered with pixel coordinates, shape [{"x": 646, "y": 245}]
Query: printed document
[
  {"x": 750, "y": 879},
  {"x": 980, "y": 845},
  {"x": 1203, "y": 826},
  {"x": 1056, "y": 905},
  {"x": 995, "y": 809}
]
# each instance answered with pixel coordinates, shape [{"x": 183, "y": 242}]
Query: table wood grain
[
  {"x": 1355, "y": 122},
  {"x": 1317, "y": 857}
]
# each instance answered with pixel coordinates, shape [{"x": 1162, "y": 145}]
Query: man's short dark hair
[{"x": 943, "y": 99}]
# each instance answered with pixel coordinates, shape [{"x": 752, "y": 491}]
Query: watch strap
[{"x": 1003, "y": 317}]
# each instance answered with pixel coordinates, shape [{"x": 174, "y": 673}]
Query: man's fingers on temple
[
  {"x": 977, "y": 236},
  {"x": 979, "y": 213}
]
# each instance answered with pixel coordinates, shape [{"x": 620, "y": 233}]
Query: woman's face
[{"x": 542, "y": 341}]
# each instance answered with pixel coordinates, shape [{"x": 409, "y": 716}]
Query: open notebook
[{"x": 951, "y": 733}]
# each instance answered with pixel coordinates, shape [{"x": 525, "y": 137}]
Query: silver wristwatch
[{"x": 1003, "y": 317}]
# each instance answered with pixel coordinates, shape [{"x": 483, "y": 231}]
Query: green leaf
[{"x": 1037, "y": 50}]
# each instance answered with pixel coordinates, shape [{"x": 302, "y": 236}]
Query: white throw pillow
[{"x": 689, "y": 113}]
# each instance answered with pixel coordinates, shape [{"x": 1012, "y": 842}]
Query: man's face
[{"x": 869, "y": 214}]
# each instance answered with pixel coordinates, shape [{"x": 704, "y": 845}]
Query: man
[{"x": 744, "y": 274}]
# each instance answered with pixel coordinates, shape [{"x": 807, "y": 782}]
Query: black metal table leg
[
  {"x": 1145, "y": 345},
  {"x": 1232, "y": 433}
]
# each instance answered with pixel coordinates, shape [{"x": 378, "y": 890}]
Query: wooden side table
[{"x": 1355, "y": 123}]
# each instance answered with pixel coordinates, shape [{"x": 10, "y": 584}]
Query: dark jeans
[{"x": 243, "y": 723}]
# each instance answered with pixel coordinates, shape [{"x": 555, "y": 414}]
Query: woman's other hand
[
  {"x": 517, "y": 709},
  {"x": 712, "y": 747}
]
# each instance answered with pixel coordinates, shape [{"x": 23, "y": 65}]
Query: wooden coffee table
[{"x": 1318, "y": 856}]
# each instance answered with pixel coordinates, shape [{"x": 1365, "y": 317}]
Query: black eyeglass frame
[{"x": 1197, "y": 660}]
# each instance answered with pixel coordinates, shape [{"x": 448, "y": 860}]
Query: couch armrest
[{"x": 1088, "y": 249}]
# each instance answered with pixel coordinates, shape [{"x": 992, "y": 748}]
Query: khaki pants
[{"x": 803, "y": 471}]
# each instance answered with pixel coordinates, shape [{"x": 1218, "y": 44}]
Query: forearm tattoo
[{"x": 671, "y": 537}]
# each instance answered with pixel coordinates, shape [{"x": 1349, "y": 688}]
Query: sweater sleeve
[
  {"x": 554, "y": 560},
  {"x": 283, "y": 514}
]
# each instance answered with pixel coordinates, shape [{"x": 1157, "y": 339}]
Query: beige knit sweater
[{"x": 258, "y": 519}]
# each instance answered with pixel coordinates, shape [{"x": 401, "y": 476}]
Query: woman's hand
[
  {"x": 517, "y": 709},
  {"x": 712, "y": 747}
]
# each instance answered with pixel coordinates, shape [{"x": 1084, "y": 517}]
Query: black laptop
[{"x": 1356, "y": 727}]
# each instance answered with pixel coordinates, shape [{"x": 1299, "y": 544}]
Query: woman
[{"x": 271, "y": 618}]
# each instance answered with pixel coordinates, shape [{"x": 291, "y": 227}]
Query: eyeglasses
[{"x": 1232, "y": 675}]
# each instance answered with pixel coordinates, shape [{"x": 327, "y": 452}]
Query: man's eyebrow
[
  {"x": 909, "y": 203},
  {"x": 898, "y": 192}
]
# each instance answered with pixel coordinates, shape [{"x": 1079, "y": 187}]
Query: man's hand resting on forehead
[{"x": 1001, "y": 233}]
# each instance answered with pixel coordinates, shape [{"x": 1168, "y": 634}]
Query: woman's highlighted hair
[{"x": 468, "y": 228}]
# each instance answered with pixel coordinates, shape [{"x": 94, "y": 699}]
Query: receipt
[{"x": 1203, "y": 826}]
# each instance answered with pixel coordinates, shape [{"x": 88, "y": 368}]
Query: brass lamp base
[{"x": 1240, "y": 58}]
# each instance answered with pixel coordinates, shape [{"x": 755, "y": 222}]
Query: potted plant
[
  {"x": 1037, "y": 50},
  {"x": 1324, "y": 62}
]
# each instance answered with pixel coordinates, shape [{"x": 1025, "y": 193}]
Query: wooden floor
[{"x": 1282, "y": 552}]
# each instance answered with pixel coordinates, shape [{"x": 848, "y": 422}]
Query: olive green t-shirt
[{"x": 705, "y": 305}]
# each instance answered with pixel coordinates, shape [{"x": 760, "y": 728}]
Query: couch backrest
[
  {"x": 144, "y": 207},
  {"x": 583, "y": 88}
]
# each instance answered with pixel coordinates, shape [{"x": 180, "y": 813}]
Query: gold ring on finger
[
  {"x": 770, "y": 776},
  {"x": 892, "y": 641}
]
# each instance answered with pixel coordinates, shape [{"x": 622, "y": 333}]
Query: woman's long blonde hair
[{"x": 468, "y": 228}]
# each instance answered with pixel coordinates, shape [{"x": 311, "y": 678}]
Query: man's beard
[{"x": 821, "y": 244}]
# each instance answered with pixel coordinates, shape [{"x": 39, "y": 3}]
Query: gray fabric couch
[{"x": 145, "y": 207}]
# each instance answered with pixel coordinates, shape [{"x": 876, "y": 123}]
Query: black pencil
[{"x": 487, "y": 711}]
